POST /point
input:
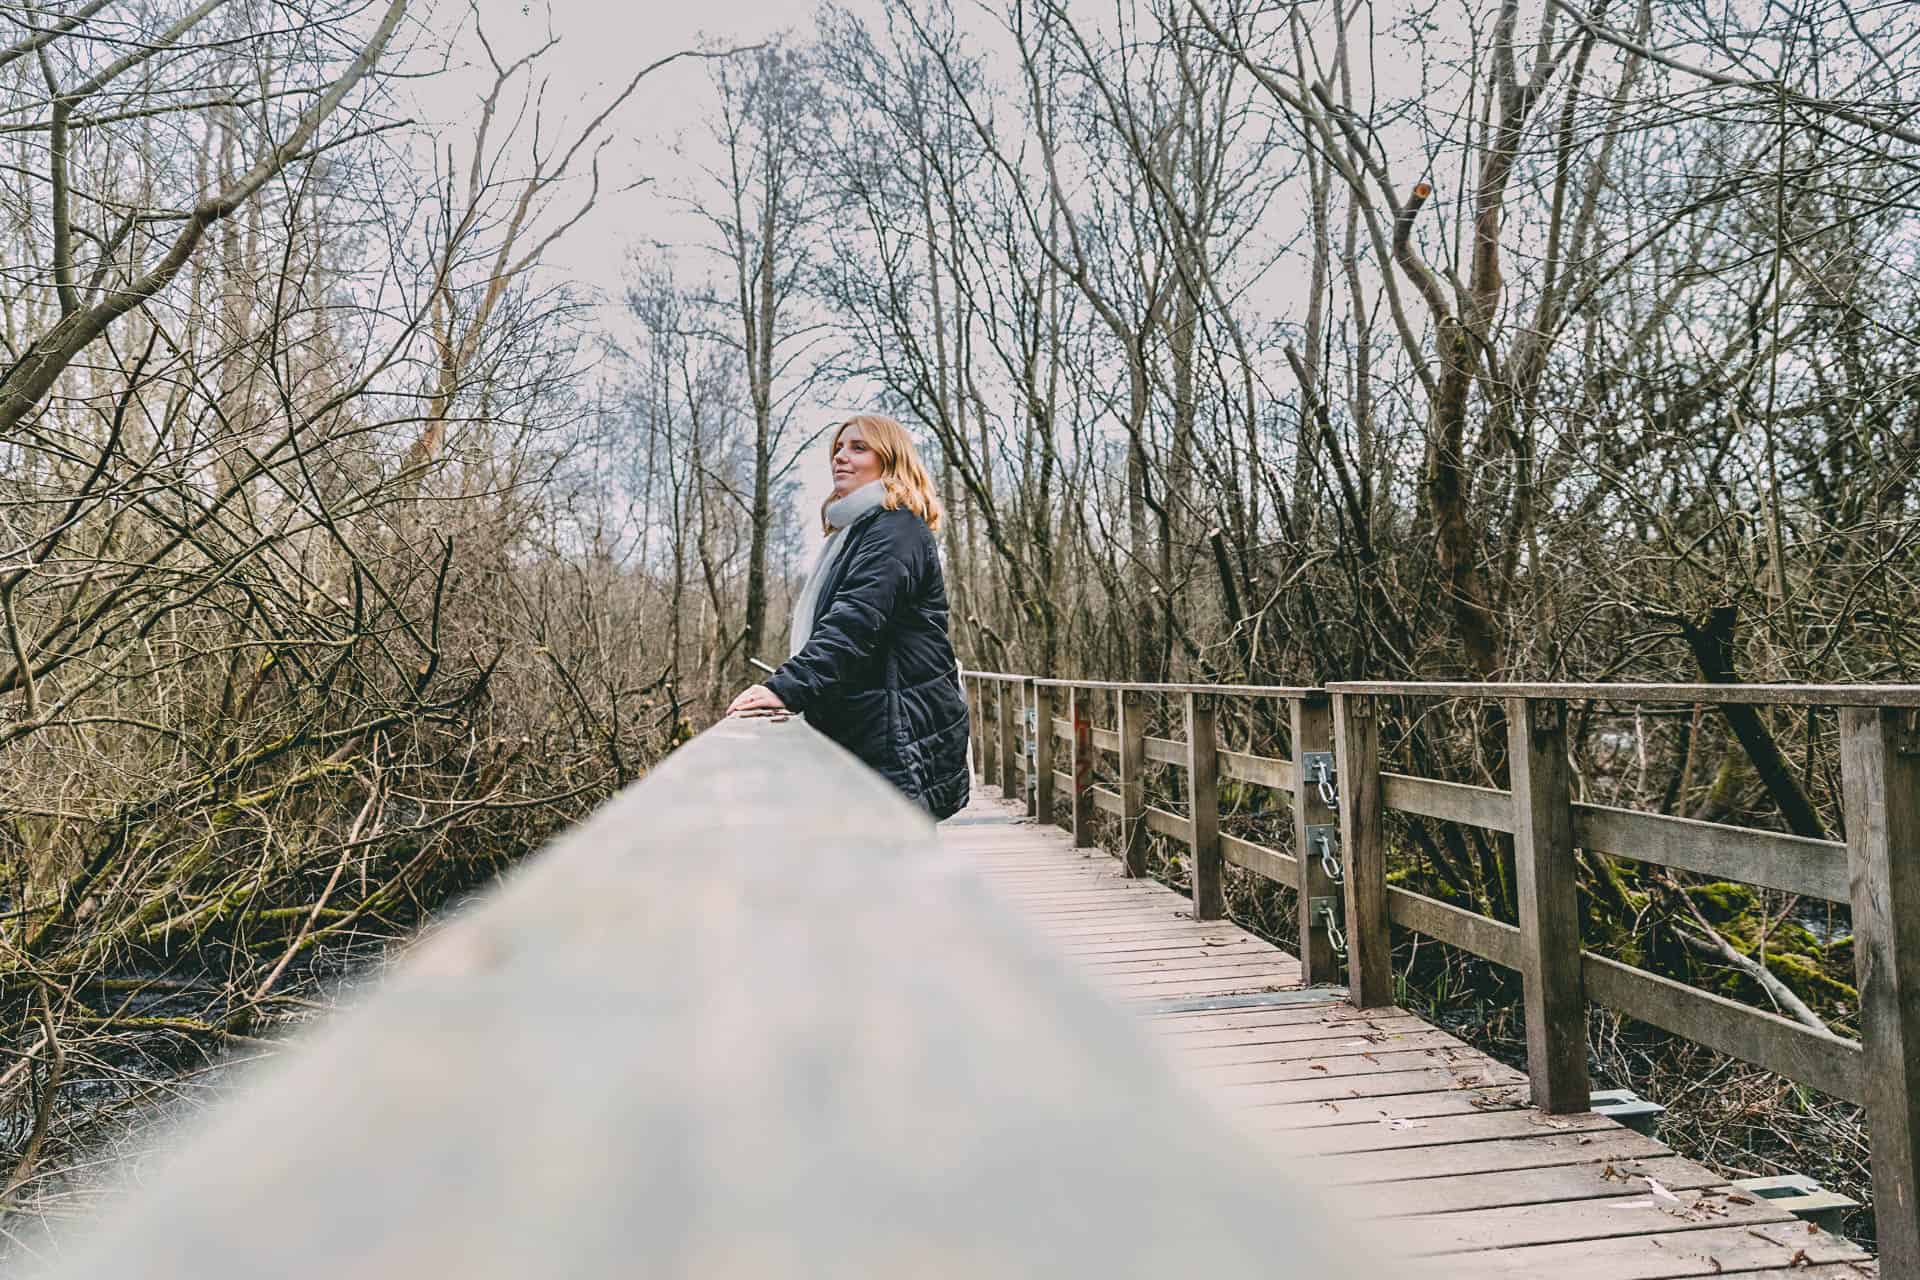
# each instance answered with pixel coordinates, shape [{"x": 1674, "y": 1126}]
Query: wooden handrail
[
  {"x": 1223, "y": 690},
  {"x": 745, "y": 1020},
  {"x": 1781, "y": 695}
]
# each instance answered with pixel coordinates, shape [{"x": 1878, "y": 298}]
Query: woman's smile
[{"x": 855, "y": 462}]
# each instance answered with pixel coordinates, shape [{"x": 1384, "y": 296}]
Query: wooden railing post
[
  {"x": 1203, "y": 796},
  {"x": 973, "y": 720},
  {"x": 1007, "y": 753},
  {"x": 1082, "y": 820},
  {"x": 1312, "y": 733},
  {"x": 1133, "y": 791},
  {"x": 1030, "y": 755},
  {"x": 984, "y": 733},
  {"x": 1043, "y": 753},
  {"x": 1556, "y": 1005},
  {"x": 1880, "y": 777},
  {"x": 1363, "y": 851}
]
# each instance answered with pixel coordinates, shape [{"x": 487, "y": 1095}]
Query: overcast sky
[
  {"x": 660, "y": 138},
  {"x": 602, "y": 44}
]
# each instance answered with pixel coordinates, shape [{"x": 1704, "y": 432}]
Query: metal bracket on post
[
  {"x": 1326, "y": 913},
  {"x": 1032, "y": 754},
  {"x": 1318, "y": 768},
  {"x": 1324, "y": 840}
]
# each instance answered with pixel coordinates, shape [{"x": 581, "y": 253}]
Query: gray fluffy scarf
[{"x": 841, "y": 512}]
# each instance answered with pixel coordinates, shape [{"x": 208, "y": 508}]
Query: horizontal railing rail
[
  {"x": 1775, "y": 695},
  {"x": 745, "y": 1020},
  {"x": 1221, "y": 690},
  {"x": 1008, "y": 746},
  {"x": 1875, "y": 871}
]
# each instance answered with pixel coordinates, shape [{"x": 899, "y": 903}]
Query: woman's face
[{"x": 854, "y": 462}]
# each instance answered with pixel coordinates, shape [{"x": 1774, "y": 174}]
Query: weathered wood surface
[
  {"x": 1007, "y": 700},
  {"x": 1448, "y": 801},
  {"x": 1259, "y": 859},
  {"x": 1880, "y": 771},
  {"x": 750, "y": 1019},
  {"x": 1165, "y": 751},
  {"x": 1312, "y": 731},
  {"x": 1043, "y": 740},
  {"x": 1826, "y": 1062},
  {"x": 1082, "y": 762},
  {"x": 1265, "y": 771},
  {"x": 1001, "y": 677},
  {"x": 1222, "y": 690},
  {"x": 1402, "y": 1120},
  {"x": 1486, "y": 937},
  {"x": 1794, "y": 864},
  {"x": 1363, "y": 848},
  {"x": 1133, "y": 782},
  {"x": 1203, "y": 796},
  {"x": 1780, "y": 695},
  {"x": 1546, "y": 887}
]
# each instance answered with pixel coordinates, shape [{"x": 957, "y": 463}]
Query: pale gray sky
[{"x": 602, "y": 43}]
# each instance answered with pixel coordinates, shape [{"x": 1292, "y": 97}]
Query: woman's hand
[{"x": 757, "y": 701}]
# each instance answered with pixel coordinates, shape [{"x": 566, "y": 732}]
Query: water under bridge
[{"x": 758, "y": 1017}]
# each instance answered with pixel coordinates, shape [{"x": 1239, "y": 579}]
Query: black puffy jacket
[{"x": 877, "y": 674}]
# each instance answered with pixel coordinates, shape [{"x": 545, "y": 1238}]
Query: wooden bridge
[
  {"x": 755, "y": 1017},
  {"x": 1503, "y": 1173}
]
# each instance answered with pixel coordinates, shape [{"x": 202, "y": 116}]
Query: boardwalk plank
[
  {"x": 1293, "y": 1030},
  {"x": 1526, "y": 1186},
  {"x": 1334, "y": 1044},
  {"x": 1589, "y": 1220},
  {"x": 1397, "y": 1119},
  {"x": 1412, "y": 1106},
  {"x": 1669, "y": 1255},
  {"x": 1539, "y": 1152},
  {"x": 1401, "y": 1133}
]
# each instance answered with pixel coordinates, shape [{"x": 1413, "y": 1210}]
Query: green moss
[
  {"x": 1811, "y": 982},
  {"x": 1722, "y": 900}
]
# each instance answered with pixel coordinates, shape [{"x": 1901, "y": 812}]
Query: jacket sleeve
[{"x": 848, "y": 632}]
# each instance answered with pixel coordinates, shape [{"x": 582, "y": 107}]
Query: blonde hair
[{"x": 901, "y": 470}]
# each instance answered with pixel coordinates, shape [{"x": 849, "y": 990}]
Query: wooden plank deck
[{"x": 1401, "y": 1121}]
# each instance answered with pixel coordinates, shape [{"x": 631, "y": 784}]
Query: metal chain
[
  {"x": 1323, "y": 779},
  {"x": 1329, "y": 863},
  {"x": 1335, "y": 937}
]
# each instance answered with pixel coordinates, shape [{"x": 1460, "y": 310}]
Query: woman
[{"x": 872, "y": 665}]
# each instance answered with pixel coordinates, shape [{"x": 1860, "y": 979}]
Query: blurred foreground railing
[
  {"x": 747, "y": 1020},
  {"x": 1339, "y": 797}
]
